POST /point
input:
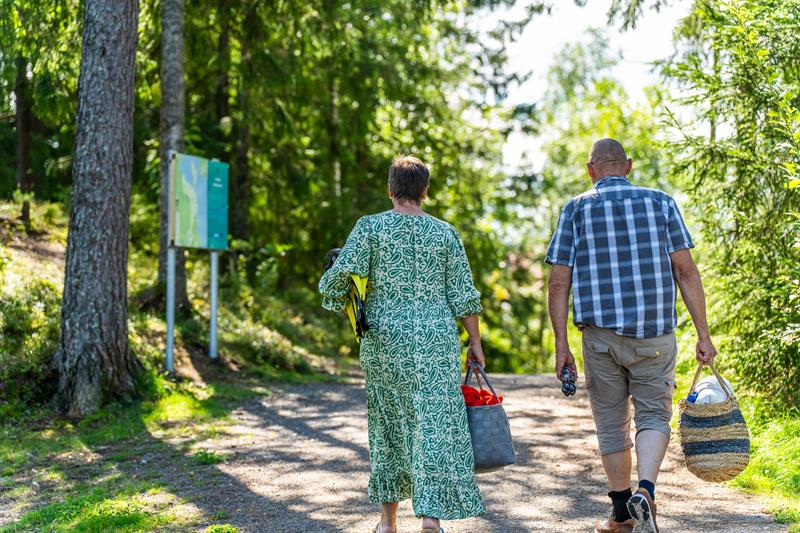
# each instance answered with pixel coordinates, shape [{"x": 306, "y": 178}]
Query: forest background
[{"x": 309, "y": 101}]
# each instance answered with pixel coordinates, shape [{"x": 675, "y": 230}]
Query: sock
[
  {"x": 619, "y": 499},
  {"x": 649, "y": 486}
]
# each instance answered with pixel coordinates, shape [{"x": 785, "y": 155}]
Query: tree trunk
[
  {"x": 224, "y": 60},
  {"x": 26, "y": 181},
  {"x": 94, "y": 359},
  {"x": 173, "y": 110},
  {"x": 222, "y": 100},
  {"x": 240, "y": 184}
]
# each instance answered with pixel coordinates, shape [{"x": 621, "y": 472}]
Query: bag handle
[
  {"x": 483, "y": 374},
  {"x": 728, "y": 392}
]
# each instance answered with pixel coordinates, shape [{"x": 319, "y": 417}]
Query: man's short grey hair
[
  {"x": 607, "y": 151},
  {"x": 408, "y": 179}
]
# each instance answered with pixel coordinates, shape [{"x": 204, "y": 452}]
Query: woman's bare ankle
[{"x": 428, "y": 522}]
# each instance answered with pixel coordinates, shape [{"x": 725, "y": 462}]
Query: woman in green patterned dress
[{"x": 419, "y": 284}]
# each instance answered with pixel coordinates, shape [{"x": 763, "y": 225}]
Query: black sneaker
[{"x": 643, "y": 510}]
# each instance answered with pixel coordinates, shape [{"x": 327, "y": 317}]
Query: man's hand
[
  {"x": 563, "y": 358},
  {"x": 705, "y": 351},
  {"x": 475, "y": 354}
]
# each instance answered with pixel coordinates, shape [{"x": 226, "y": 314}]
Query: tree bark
[
  {"x": 94, "y": 359},
  {"x": 224, "y": 60},
  {"x": 173, "y": 111},
  {"x": 240, "y": 184},
  {"x": 26, "y": 180}
]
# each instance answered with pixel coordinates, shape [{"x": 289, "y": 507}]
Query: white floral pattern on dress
[{"x": 419, "y": 284}]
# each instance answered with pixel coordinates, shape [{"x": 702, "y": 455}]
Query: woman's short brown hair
[{"x": 408, "y": 179}]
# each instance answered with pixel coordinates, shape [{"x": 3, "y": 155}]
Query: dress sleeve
[
  {"x": 353, "y": 259},
  {"x": 462, "y": 296}
]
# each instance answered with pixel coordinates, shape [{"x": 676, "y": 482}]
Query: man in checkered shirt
[{"x": 622, "y": 249}]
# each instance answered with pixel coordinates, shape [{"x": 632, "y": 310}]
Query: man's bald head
[{"x": 608, "y": 158}]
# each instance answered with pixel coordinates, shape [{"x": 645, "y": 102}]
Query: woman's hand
[{"x": 475, "y": 354}]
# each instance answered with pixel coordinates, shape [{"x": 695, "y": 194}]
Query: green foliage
[
  {"x": 29, "y": 327},
  {"x": 222, "y": 528},
  {"x": 205, "y": 457},
  {"x": 737, "y": 73},
  {"x": 98, "y": 511},
  {"x": 775, "y": 462},
  {"x": 775, "y": 466}
]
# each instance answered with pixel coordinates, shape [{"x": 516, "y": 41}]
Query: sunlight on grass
[
  {"x": 775, "y": 461},
  {"x": 206, "y": 457},
  {"x": 176, "y": 407},
  {"x": 132, "y": 508},
  {"x": 222, "y": 528}
]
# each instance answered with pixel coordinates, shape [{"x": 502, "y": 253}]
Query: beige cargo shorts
[{"x": 624, "y": 370}]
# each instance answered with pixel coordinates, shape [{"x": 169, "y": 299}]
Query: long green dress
[{"x": 419, "y": 284}]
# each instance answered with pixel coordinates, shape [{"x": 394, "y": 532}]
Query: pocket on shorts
[
  {"x": 599, "y": 347},
  {"x": 652, "y": 351},
  {"x": 592, "y": 348}
]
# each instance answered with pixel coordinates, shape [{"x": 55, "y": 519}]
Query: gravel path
[{"x": 298, "y": 462}]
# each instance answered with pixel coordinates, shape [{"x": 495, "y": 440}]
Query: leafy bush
[
  {"x": 29, "y": 330},
  {"x": 738, "y": 157}
]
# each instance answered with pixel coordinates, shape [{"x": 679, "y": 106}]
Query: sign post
[
  {"x": 198, "y": 218},
  {"x": 212, "y": 327},
  {"x": 169, "y": 359}
]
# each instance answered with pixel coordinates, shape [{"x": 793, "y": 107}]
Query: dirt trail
[{"x": 299, "y": 463}]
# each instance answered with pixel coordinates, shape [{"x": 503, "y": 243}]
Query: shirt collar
[{"x": 608, "y": 179}]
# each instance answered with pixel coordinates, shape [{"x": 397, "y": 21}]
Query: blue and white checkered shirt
[{"x": 618, "y": 238}]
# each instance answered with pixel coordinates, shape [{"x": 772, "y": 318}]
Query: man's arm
[
  {"x": 558, "y": 305},
  {"x": 688, "y": 278}
]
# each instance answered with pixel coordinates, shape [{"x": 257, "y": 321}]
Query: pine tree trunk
[
  {"x": 224, "y": 61},
  {"x": 241, "y": 173},
  {"x": 173, "y": 110},
  {"x": 25, "y": 178},
  {"x": 94, "y": 359}
]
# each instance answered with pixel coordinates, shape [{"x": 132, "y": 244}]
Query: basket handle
[
  {"x": 728, "y": 392},
  {"x": 483, "y": 374}
]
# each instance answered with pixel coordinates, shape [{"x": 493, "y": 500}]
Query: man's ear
[
  {"x": 628, "y": 166},
  {"x": 591, "y": 171}
]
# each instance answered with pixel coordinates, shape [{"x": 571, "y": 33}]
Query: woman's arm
[
  {"x": 354, "y": 258},
  {"x": 475, "y": 350}
]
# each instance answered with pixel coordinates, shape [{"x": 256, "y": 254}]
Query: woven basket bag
[
  {"x": 714, "y": 436},
  {"x": 492, "y": 447}
]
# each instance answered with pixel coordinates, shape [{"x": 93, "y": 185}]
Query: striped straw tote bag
[{"x": 714, "y": 436}]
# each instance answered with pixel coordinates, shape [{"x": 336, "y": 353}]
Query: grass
[
  {"x": 103, "y": 473},
  {"x": 205, "y": 457},
  {"x": 127, "y": 507},
  {"x": 774, "y": 468},
  {"x": 222, "y": 528},
  {"x": 103, "y": 446}
]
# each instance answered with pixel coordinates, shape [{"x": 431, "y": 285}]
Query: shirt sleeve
[
  {"x": 562, "y": 246},
  {"x": 354, "y": 258},
  {"x": 462, "y": 296},
  {"x": 678, "y": 237}
]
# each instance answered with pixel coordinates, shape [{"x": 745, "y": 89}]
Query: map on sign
[{"x": 199, "y": 202}]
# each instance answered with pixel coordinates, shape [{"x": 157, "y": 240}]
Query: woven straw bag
[
  {"x": 714, "y": 436},
  {"x": 492, "y": 447}
]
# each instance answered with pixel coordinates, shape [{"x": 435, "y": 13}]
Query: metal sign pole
[
  {"x": 212, "y": 330},
  {"x": 169, "y": 352}
]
